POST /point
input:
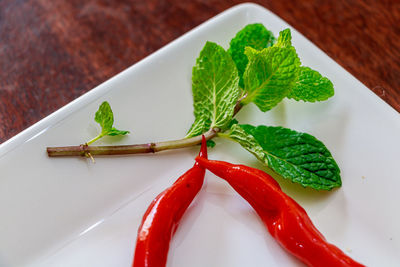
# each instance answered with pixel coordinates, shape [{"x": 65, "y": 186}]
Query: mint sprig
[
  {"x": 271, "y": 73},
  {"x": 105, "y": 117},
  {"x": 255, "y": 69},
  {"x": 275, "y": 72}
]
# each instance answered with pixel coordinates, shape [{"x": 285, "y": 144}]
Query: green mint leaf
[
  {"x": 215, "y": 89},
  {"x": 114, "y": 132},
  {"x": 253, "y": 35},
  {"x": 311, "y": 86},
  {"x": 299, "y": 157},
  {"x": 105, "y": 117},
  {"x": 284, "y": 39},
  {"x": 270, "y": 75}
]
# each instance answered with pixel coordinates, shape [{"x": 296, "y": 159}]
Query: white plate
[{"x": 70, "y": 212}]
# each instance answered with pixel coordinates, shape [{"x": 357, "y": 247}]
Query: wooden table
[{"x": 51, "y": 52}]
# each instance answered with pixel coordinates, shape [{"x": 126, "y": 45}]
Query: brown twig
[{"x": 84, "y": 150}]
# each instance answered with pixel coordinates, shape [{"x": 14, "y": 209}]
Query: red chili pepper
[
  {"x": 286, "y": 220},
  {"x": 163, "y": 215}
]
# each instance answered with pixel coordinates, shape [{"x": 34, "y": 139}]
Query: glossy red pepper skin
[
  {"x": 286, "y": 220},
  {"x": 162, "y": 217}
]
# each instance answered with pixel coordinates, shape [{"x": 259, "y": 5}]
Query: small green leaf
[
  {"x": 114, "y": 132},
  {"x": 299, "y": 157},
  {"x": 215, "y": 89},
  {"x": 270, "y": 75},
  {"x": 253, "y": 35},
  {"x": 210, "y": 143},
  {"x": 311, "y": 86},
  {"x": 105, "y": 117}
]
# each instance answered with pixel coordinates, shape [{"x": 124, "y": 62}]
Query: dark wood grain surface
[{"x": 51, "y": 52}]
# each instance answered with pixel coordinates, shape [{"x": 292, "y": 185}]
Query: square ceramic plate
[{"x": 71, "y": 212}]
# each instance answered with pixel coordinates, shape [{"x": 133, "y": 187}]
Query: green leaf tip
[
  {"x": 105, "y": 117},
  {"x": 284, "y": 39},
  {"x": 253, "y": 35},
  {"x": 215, "y": 88},
  {"x": 297, "y": 156}
]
